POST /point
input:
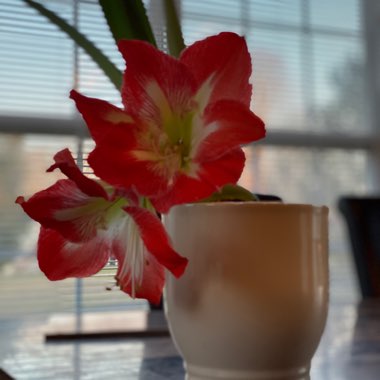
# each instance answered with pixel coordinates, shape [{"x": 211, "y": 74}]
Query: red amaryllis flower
[
  {"x": 83, "y": 224},
  {"x": 178, "y": 138}
]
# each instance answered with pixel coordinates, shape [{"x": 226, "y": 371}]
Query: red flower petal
[
  {"x": 212, "y": 176},
  {"x": 234, "y": 124},
  {"x": 60, "y": 259},
  {"x": 99, "y": 115},
  {"x": 115, "y": 163},
  {"x": 224, "y": 170},
  {"x": 49, "y": 206},
  {"x": 227, "y": 58},
  {"x": 156, "y": 240},
  {"x": 142, "y": 251},
  {"x": 184, "y": 190},
  {"x": 147, "y": 67},
  {"x": 65, "y": 162},
  {"x": 153, "y": 277}
]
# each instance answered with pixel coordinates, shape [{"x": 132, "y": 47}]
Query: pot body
[{"x": 252, "y": 304}]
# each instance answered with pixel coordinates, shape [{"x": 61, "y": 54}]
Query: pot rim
[{"x": 255, "y": 204}]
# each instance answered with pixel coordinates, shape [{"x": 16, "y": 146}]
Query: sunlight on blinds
[
  {"x": 38, "y": 63},
  {"x": 308, "y": 58},
  {"x": 308, "y": 62},
  {"x": 35, "y": 63},
  {"x": 92, "y": 81}
]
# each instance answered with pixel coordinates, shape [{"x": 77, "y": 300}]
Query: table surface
[{"x": 349, "y": 350}]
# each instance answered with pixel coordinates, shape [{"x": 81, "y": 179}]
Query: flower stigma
[{"x": 168, "y": 142}]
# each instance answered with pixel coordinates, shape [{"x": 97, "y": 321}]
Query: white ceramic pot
[{"x": 253, "y": 301}]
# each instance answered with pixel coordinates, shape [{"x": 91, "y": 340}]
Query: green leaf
[
  {"x": 109, "y": 69},
  {"x": 127, "y": 19},
  {"x": 173, "y": 29},
  {"x": 232, "y": 193}
]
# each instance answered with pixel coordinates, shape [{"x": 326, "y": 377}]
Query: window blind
[
  {"x": 39, "y": 64},
  {"x": 308, "y": 62},
  {"x": 307, "y": 57},
  {"x": 36, "y": 62},
  {"x": 39, "y": 67}
]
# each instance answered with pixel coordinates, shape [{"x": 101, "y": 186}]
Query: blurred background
[{"x": 315, "y": 77}]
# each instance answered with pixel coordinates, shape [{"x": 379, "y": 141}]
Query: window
[{"x": 309, "y": 86}]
